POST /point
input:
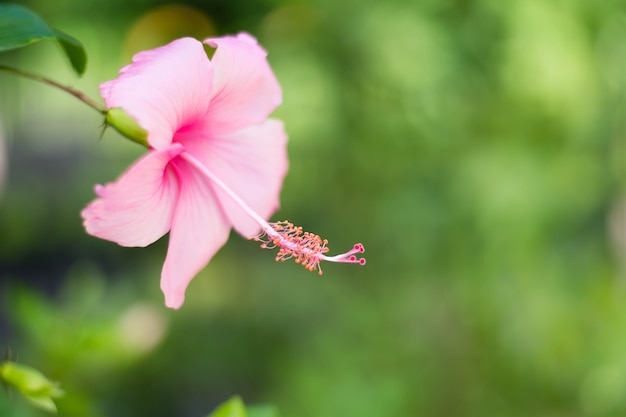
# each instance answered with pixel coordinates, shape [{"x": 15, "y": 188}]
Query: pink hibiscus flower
[{"x": 215, "y": 161}]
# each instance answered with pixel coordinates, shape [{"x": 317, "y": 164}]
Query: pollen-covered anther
[{"x": 307, "y": 249}]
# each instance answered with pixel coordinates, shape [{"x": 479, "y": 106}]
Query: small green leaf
[
  {"x": 19, "y": 27},
  {"x": 234, "y": 407}
]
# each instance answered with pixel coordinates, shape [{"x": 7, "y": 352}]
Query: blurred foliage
[
  {"x": 235, "y": 407},
  {"x": 35, "y": 387},
  {"x": 475, "y": 147}
]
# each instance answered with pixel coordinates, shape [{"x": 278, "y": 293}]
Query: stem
[{"x": 79, "y": 95}]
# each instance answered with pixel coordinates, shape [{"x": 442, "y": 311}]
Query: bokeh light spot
[{"x": 164, "y": 24}]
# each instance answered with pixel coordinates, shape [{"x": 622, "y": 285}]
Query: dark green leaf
[{"x": 19, "y": 27}]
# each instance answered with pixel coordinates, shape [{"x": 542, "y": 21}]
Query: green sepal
[
  {"x": 20, "y": 27},
  {"x": 118, "y": 119}
]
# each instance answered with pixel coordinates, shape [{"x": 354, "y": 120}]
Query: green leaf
[
  {"x": 19, "y": 27},
  {"x": 234, "y": 407}
]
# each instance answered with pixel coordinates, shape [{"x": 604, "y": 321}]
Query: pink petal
[
  {"x": 163, "y": 89},
  {"x": 252, "y": 162},
  {"x": 245, "y": 90},
  {"x": 136, "y": 210},
  {"x": 199, "y": 230}
]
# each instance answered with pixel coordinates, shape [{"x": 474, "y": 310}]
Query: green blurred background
[{"x": 475, "y": 147}]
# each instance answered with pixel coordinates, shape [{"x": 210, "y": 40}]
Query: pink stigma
[{"x": 307, "y": 249}]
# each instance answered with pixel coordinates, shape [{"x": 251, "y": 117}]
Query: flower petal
[
  {"x": 245, "y": 90},
  {"x": 136, "y": 210},
  {"x": 252, "y": 162},
  {"x": 199, "y": 230},
  {"x": 163, "y": 89}
]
